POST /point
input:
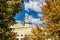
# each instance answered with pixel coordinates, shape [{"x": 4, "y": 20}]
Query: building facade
[{"x": 22, "y": 30}]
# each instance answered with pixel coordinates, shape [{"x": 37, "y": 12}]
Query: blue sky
[{"x": 32, "y": 8}]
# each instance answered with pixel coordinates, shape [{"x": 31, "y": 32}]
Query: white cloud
[
  {"x": 39, "y": 14},
  {"x": 26, "y": 6},
  {"x": 35, "y": 20},
  {"x": 34, "y": 5}
]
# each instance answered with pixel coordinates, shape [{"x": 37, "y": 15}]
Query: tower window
[
  {"x": 17, "y": 39},
  {"x": 21, "y": 38},
  {"x": 21, "y": 35}
]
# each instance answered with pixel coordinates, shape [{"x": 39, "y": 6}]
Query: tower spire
[
  {"x": 26, "y": 24},
  {"x": 26, "y": 18}
]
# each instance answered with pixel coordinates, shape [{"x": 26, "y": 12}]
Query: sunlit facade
[{"x": 22, "y": 30}]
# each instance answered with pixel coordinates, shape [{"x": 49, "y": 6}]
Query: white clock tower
[{"x": 26, "y": 24}]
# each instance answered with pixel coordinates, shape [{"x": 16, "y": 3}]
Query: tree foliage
[
  {"x": 38, "y": 33},
  {"x": 8, "y": 9},
  {"x": 51, "y": 15}
]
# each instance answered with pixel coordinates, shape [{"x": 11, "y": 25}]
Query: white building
[{"x": 22, "y": 29}]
